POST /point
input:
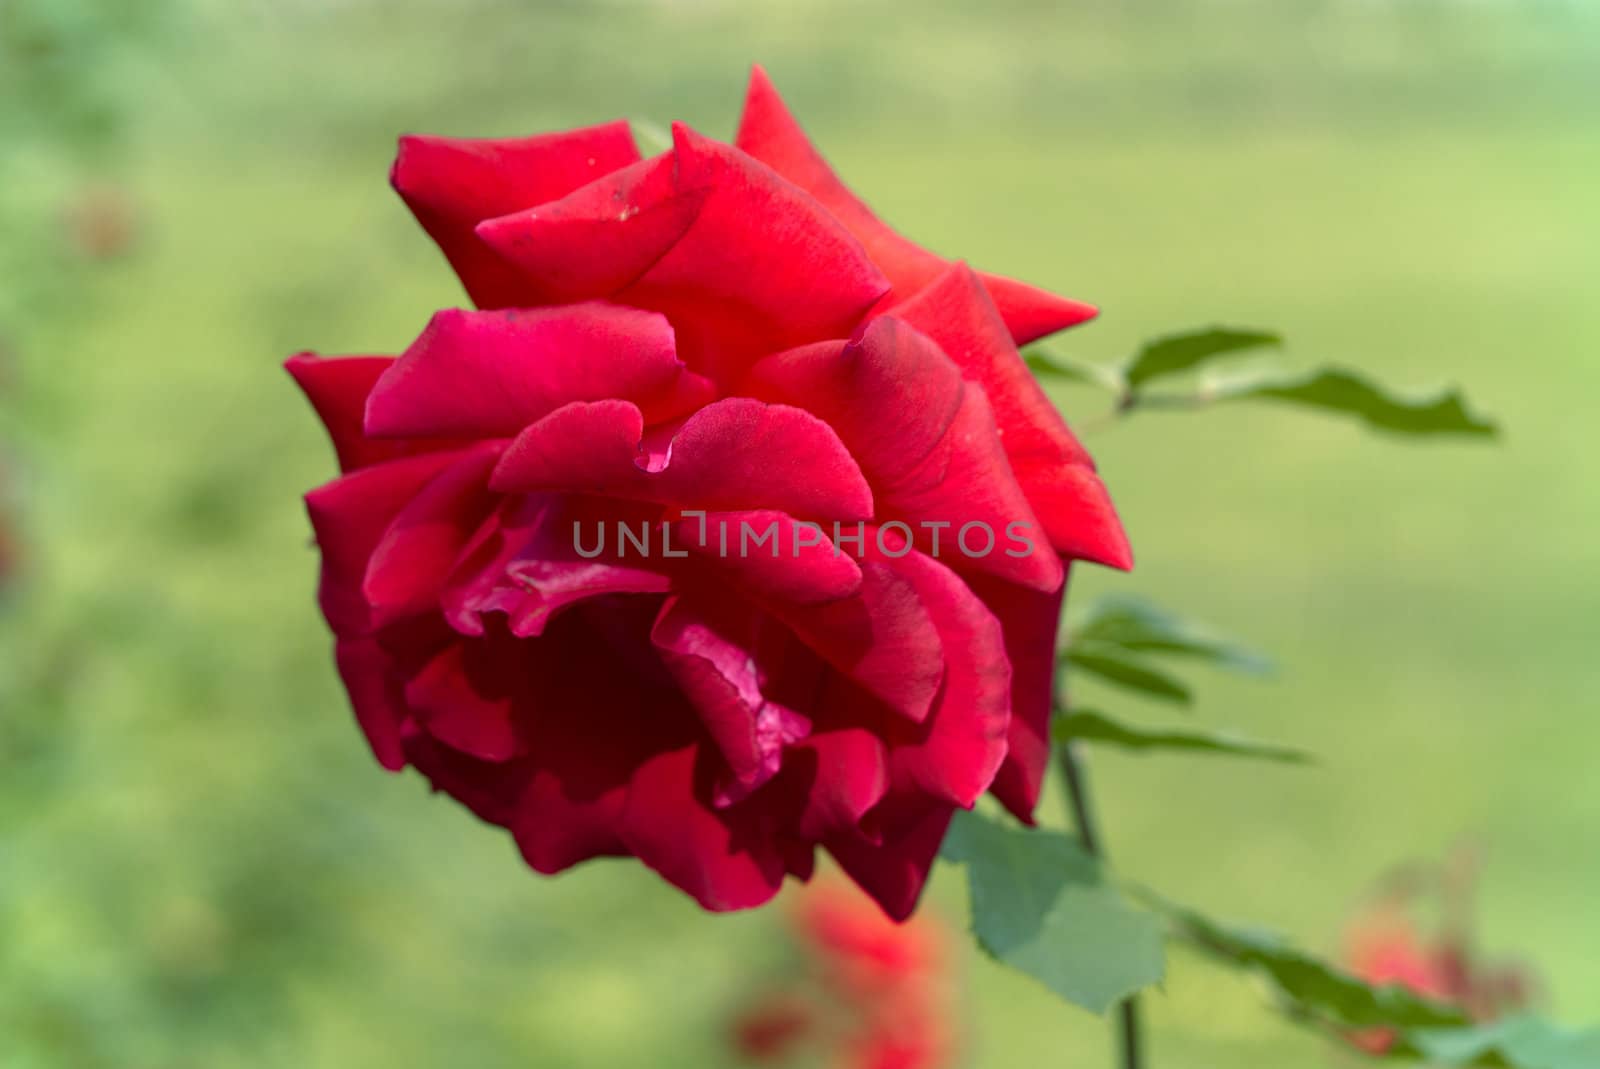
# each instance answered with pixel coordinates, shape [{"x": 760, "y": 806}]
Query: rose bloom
[{"x": 720, "y": 329}]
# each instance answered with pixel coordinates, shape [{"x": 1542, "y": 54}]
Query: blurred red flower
[
  {"x": 101, "y": 222},
  {"x": 1386, "y": 944},
  {"x": 868, "y": 993}
]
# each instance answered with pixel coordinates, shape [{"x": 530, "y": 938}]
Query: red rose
[{"x": 717, "y": 338}]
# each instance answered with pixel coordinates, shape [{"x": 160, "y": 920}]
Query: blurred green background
[{"x": 200, "y": 864}]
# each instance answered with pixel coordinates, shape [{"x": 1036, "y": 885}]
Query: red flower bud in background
[
  {"x": 1386, "y": 944},
  {"x": 868, "y": 993},
  {"x": 719, "y": 333},
  {"x": 101, "y": 222}
]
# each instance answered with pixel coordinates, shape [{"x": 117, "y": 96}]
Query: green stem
[{"x": 1130, "y": 1043}]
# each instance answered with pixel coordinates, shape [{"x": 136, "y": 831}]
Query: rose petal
[
  {"x": 599, "y": 239},
  {"x": 883, "y": 638},
  {"x": 725, "y": 858},
  {"x": 770, "y": 133},
  {"x": 832, "y": 779},
  {"x": 374, "y": 697},
  {"x": 740, "y": 260},
  {"x": 732, "y": 455},
  {"x": 895, "y": 870},
  {"x": 771, "y": 555},
  {"x": 475, "y": 697},
  {"x": 712, "y": 651},
  {"x": 492, "y": 790},
  {"x": 349, "y": 517},
  {"x": 837, "y": 773},
  {"x": 337, "y": 390},
  {"x": 925, "y": 440},
  {"x": 599, "y": 721},
  {"x": 408, "y": 567},
  {"x": 490, "y": 374},
  {"x": 1029, "y": 621},
  {"x": 526, "y": 563},
  {"x": 763, "y": 267},
  {"x": 1052, "y": 468},
  {"x": 954, "y": 753},
  {"x": 452, "y": 184},
  {"x": 337, "y": 387}
]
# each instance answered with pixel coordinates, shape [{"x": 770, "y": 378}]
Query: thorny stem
[{"x": 1129, "y": 1032}]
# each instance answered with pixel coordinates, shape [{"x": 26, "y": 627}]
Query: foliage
[
  {"x": 1335, "y": 390},
  {"x": 1322, "y": 996},
  {"x": 1041, "y": 904},
  {"x": 1013, "y": 888},
  {"x": 1083, "y": 725}
]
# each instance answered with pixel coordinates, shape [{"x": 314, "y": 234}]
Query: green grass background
[{"x": 200, "y": 865}]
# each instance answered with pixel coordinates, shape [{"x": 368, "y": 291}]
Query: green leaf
[
  {"x": 1317, "y": 993},
  {"x": 1312, "y": 988},
  {"x": 1043, "y": 905},
  {"x": 1115, "y": 638},
  {"x": 1522, "y": 1042},
  {"x": 1086, "y": 726},
  {"x": 1113, "y": 664},
  {"x": 1342, "y": 391},
  {"x": 1177, "y": 353},
  {"x": 1050, "y": 365},
  {"x": 1135, "y": 624}
]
